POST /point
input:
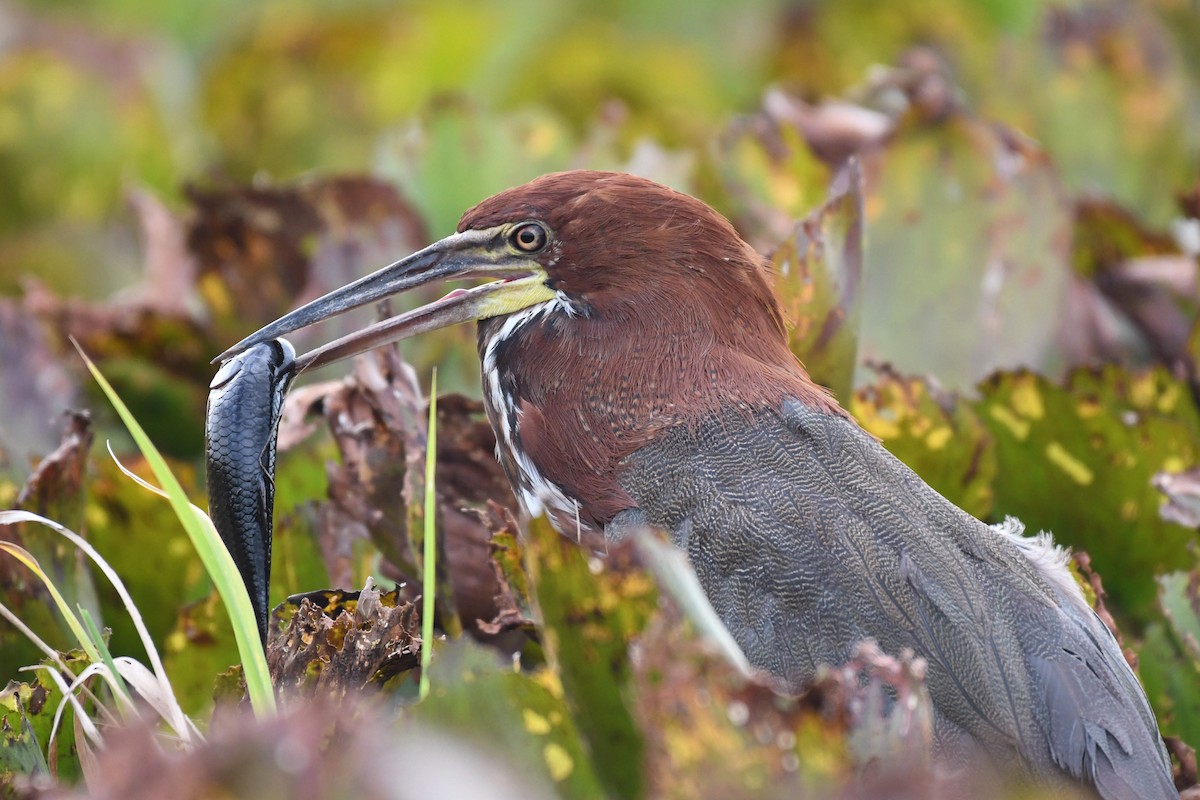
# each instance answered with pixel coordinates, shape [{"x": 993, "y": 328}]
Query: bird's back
[{"x": 809, "y": 537}]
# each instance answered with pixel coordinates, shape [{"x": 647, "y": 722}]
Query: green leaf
[
  {"x": 72, "y": 619},
  {"x": 819, "y": 284},
  {"x": 429, "y": 533},
  {"x": 1172, "y": 682},
  {"x": 213, "y": 554},
  {"x": 967, "y": 254},
  {"x": 937, "y": 434},
  {"x": 1179, "y": 594},
  {"x": 476, "y": 696},
  {"x": 501, "y": 151},
  {"x": 27, "y": 712},
  {"x": 142, "y": 541},
  {"x": 297, "y": 563},
  {"x": 20, "y": 751},
  {"x": 764, "y": 179},
  {"x": 711, "y": 731},
  {"x": 197, "y": 648},
  {"x": 591, "y": 609},
  {"x": 1169, "y": 657},
  {"x": 1078, "y": 461}
]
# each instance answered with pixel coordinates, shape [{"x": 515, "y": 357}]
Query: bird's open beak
[{"x": 472, "y": 253}]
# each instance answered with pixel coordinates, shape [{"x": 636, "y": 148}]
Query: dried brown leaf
[
  {"x": 377, "y": 418},
  {"x": 168, "y": 270},
  {"x": 264, "y": 249},
  {"x": 1184, "y": 758},
  {"x": 511, "y": 601},
  {"x": 331, "y": 644},
  {"x": 1082, "y": 563},
  {"x": 57, "y": 481}
]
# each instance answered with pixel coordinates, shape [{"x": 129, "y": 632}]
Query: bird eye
[{"x": 529, "y": 237}]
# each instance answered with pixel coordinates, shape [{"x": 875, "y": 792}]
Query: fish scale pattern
[{"x": 244, "y": 403}]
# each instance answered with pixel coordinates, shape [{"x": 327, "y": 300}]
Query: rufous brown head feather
[
  {"x": 627, "y": 308},
  {"x": 666, "y": 316}
]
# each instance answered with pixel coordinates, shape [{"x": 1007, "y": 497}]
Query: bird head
[
  {"x": 611, "y": 248},
  {"x": 616, "y": 245},
  {"x": 618, "y": 309}
]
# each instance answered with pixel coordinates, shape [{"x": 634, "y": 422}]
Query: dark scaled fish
[{"x": 244, "y": 403}]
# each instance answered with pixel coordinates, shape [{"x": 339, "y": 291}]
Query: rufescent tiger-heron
[{"x": 636, "y": 371}]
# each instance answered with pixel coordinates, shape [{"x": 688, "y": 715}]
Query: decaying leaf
[
  {"x": 763, "y": 177},
  {"x": 834, "y": 129},
  {"x": 34, "y": 385},
  {"x": 1184, "y": 757},
  {"x": 967, "y": 265},
  {"x": 27, "y": 710},
  {"x": 377, "y": 418},
  {"x": 469, "y": 481},
  {"x": 712, "y": 729},
  {"x": 56, "y": 489},
  {"x": 178, "y": 346},
  {"x": 1182, "y": 490},
  {"x": 1179, "y": 594},
  {"x": 711, "y": 732},
  {"x": 1143, "y": 276},
  {"x": 513, "y": 598},
  {"x": 168, "y": 281},
  {"x": 524, "y": 715},
  {"x": 264, "y": 249},
  {"x": 819, "y": 275},
  {"x": 331, "y": 644},
  {"x": 1171, "y": 676},
  {"x": 20, "y": 751}
]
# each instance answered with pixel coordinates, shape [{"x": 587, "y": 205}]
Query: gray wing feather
[{"x": 809, "y": 537}]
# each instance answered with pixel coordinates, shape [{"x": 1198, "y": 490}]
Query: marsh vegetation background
[{"x": 1020, "y": 329}]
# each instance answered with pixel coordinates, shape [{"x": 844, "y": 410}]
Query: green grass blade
[
  {"x": 430, "y": 543},
  {"x": 216, "y": 559},
  {"x": 55, "y": 658},
  {"x": 98, "y": 641},
  {"x": 31, "y": 563},
  {"x": 174, "y": 715}
]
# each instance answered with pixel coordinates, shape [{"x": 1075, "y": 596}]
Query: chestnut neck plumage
[{"x": 668, "y": 319}]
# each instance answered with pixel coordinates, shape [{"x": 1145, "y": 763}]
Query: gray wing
[{"x": 809, "y": 536}]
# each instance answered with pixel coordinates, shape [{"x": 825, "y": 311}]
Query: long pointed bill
[
  {"x": 463, "y": 255},
  {"x": 462, "y": 305}
]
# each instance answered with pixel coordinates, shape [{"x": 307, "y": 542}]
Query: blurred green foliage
[
  {"x": 27, "y": 712},
  {"x": 97, "y": 97},
  {"x": 1016, "y": 154},
  {"x": 474, "y": 696}
]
